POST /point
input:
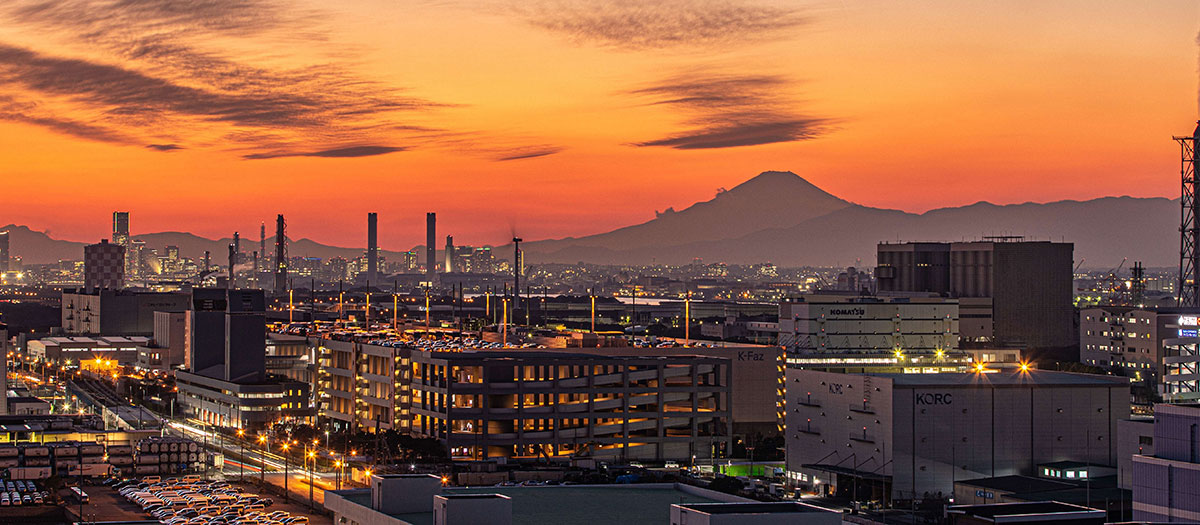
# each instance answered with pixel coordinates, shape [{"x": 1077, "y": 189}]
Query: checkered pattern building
[{"x": 103, "y": 266}]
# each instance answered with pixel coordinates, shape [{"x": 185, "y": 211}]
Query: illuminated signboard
[
  {"x": 1188, "y": 320},
  {"x": 1189, "y": 333}
]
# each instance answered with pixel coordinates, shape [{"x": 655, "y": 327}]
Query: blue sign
[{"x": 1189, "y": 333}]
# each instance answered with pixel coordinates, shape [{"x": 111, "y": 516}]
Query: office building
[
  {"x": 103, "y": 266},
  {"x": 1166, "y": 484},
  {"x": 1181, "y": 364},
  {"x": 225, "y": 381},
  {"x": 1011, "y": 292},
  {"x": 117, "y": 312},
  {"x": 899, "y": 436},
  {"x": 543, "y": 405},
  {"x": 1131, "y": 341},
  {"x": 4, "y": 253}
]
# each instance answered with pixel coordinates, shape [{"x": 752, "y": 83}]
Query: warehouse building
[{"x": 900, "y": 436}]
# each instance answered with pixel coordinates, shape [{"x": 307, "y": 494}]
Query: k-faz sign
[
  {"x": 750, "y": 356},
  {"x": 932, "y": 398}
]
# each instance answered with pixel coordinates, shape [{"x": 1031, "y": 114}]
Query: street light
[
  {"x": 285, "y": 470},
  {"x": 262, "y": 456},
  {"x": 312, "y": 455},
  {"x": 241, "y": 433}
]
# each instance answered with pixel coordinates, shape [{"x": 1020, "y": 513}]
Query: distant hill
[
  {"x": 39, "y": 248},
  {"x": 803, "y": 225},
  {"x": 777, "y": 217}
]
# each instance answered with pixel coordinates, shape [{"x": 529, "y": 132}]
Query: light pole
[
  {"x": 242, "y": 460},
  {"x": 285, "y": 471},
  {"x": 262, "y": 456},
  {"x": 312, "y": 455}
]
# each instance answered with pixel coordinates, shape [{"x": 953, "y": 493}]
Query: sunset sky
[{"x": 562, "y": 118}]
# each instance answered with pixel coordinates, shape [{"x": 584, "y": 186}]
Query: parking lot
[{"x": 193, "y": 502}]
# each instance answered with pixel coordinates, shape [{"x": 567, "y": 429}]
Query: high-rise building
[
  {"x": 450, "y": 266},
  {"x": 120, "y": 227},
  {"x": 4, "y": 257},
  {"x": 372, "y": 247},
  {"x": 1011, "y": 292},
  {"x": 135, "y": 254},
  {"x": 430, "y": 244},
  {"x": 103, "y": 266}
]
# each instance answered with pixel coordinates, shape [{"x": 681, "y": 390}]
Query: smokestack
[
  {"x": 431, "y": 245},
  {"x": 372, "y": 247},
  {"x": 518, "y": 263},
  {"x": 449, "y": 253},
  {"x": 207, "y": 260},
  {"x": 232, "y": 261},
  {"x": 237, "y": 247},
  {"x": 280, "y": 256}
]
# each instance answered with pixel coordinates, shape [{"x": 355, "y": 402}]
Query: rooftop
[
  {"x": 1005, "y": 377},
  {"x": 782, "y": 507},
  {"x": 568, "y": 504},
  {"x": 1031, "y": 509},
  {"x": 1017, "y": 484}
]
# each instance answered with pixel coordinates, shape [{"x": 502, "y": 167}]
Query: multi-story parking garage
[{"x": 555, "y": 405}]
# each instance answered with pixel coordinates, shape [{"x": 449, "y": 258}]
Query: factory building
[
  {"x": 543, "y": 405},
  {"x": 900, "y": 436},
  {"x": 863, "y": 334},
  {"x": 117, "y": 312},
  {"x": 1011, "y": 292}
]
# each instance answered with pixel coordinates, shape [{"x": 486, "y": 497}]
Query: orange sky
[{"x": 607, "y": 111}]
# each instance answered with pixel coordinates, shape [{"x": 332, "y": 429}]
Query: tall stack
[
  {"x": 281, "y": 271},
  {"x": 372, "y": 247},
  {"x": 431, "y": 245}
]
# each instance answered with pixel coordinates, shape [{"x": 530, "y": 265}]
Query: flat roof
[
  {"x": 569, "y": 504},
  {"x": 1017, "y": 484},
  {"x": 1005, "y": 377},
  {"x": 781, "y": 507},
  {"x": 1033, "y": 508}
]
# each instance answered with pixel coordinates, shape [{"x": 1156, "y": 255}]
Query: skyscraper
[
  {"x": 4, "y": 251},
  {"x": 120, "y": 237},
  {"x": 372, "y": 247},
  {"x": 430, "y": 244},
  {"x": 103, "y": 266}
]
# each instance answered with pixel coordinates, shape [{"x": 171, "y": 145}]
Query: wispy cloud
[
  {"x": 530, "y": 154},
  {"x": 164, "y": 147},
  {"x": 170, "y": 82},
  {"x": 343, "y": 152},
  {"x": 641, "y": 24},
  {"x": 728, "y": 111}
]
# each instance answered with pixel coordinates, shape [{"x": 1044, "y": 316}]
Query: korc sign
[{"x": 930, "y": 398}]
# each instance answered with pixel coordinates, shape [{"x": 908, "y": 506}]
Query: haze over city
[{"x": 568, "y": 118}]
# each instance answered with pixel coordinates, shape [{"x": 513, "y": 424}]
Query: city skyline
[{"x": 495, "y": 114}]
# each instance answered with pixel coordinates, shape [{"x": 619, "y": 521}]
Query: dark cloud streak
[
  {"x": 345, "y": 152},
  {"x": 730, "y": 111},
  {"x": 545, "y": 152},
  {"x": 642, "y": 25}
]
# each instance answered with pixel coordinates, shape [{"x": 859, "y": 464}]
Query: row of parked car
[
  {"x": 192, "y": 501},
  {"x": 15, "y": 493}
]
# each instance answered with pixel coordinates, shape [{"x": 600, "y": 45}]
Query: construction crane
[{"x": 1081, "y": 261}]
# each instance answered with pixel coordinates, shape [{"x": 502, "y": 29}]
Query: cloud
[
  {"x": 172, "y": 82},
  {"x": 728, "y": 110},
  {"x": 543, "y": 152},
  {"x": 640, "y": 25},
  {"x": 163, "y": 147},
  {"x": 346, "y": 152},
  {"x": 65, "y": 126}
]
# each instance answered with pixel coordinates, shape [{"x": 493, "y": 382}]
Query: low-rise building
[
  {"x": 116, "y": 312},
  {"x": 901, "y": 436},
  {"x": 1167, "y": 483}
]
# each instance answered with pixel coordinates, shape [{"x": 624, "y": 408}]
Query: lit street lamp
[
  {"x": 285, "y": 471},
  {"x": 242, "y": 459},
  {"x": 262, "y": 456}
]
